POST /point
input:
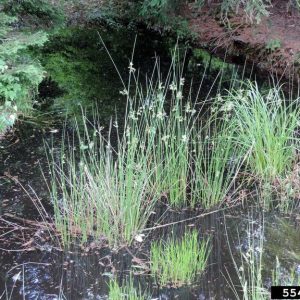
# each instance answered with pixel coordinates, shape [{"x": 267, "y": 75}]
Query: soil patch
[{"x": 273, "y": 45}]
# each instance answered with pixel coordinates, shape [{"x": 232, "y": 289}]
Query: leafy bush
[
  {"x": 254, "y": 9},
  {"x": 19, "y": 74},
  {"x": 40, "y": 11},
  {"x": 158, "y": 8},
  {"x": 273, "y": 44},
  {"x": 165, "y": 13}
]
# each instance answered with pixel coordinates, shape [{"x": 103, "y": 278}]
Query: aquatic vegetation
[
  {"x": 170, "y": 147},
  {"x": 217, "y": 162},
  {"x": 123, "y": 182},
  {"x": 181, "y": 157},
  {"x": 108, "y": 188},
  {"x": 126, "y": 291},
  {"x": 266, "y": 124},
  {"x": 177, "y": 262},
  {"x": 100, "y": 196}
]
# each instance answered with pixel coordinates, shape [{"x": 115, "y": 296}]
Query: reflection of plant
[
  {"x": 254, "y": 274},
  {"x": 126, "y": 291},
  {"x": 283, "y": 232},
  {"x": 249, "y": 267},
  {"x": 284, "y": 277}
]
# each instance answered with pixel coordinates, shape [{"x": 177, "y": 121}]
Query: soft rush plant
[
  {"x": 164, "y": 121},
  {"x": 266, "y": 124},
  {"x": 217, "y": 161},
  {"x": 178, "y": 262},
  {"x": 171, "y": 148},
  {"x": 109, "y": 191},
  {"x": 102, "y": 191}
]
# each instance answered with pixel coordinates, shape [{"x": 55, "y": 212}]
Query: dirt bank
[{"x": 273, "y": 45}]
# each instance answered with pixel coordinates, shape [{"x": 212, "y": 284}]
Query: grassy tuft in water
[
  {"x": 266, "y": 124},
  {"x": 178, "y": 262},
  {"x": 171, "y": 133},
  {"x": 107, "y": 186},
  {"x": 100, "y": 191},
  {"x": 216, "y": 164}
]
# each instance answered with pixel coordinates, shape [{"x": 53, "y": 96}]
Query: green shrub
[
  {"x": 158, "y": 9},
  {"x": 273, "y": 45},
  {"x": 254, "y": 9},
  {"x": 19, "y": 74},
  {"x": 33, "y": 11}
]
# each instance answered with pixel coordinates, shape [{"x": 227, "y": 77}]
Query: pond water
[{"x": 81, "y": 74}]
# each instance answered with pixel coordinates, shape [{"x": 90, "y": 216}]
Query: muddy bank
[{"x": 273, "y": 45}]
